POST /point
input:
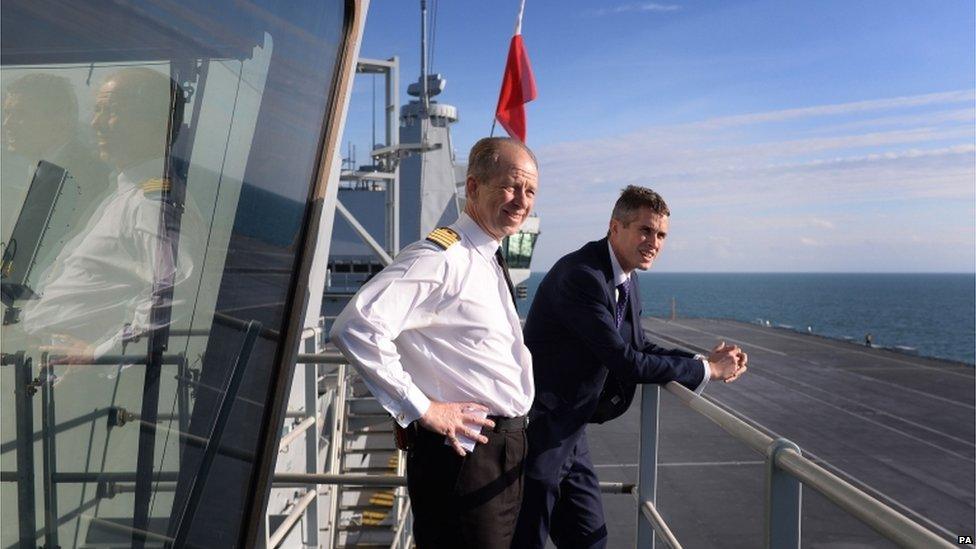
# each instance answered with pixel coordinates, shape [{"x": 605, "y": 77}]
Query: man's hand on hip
[{"x": 449, "y": 419}]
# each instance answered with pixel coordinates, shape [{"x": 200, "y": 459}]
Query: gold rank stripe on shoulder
[
  {"x": 155, "y": 185},
  {"x": 444, "y": 237}
]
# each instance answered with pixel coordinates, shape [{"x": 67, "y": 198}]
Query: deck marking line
[
  {"x": 708, "y": 463},
  {"x": 878, "y": 494},
  {"x": 840, "y": 370},
  {"x": 878, "y": 423},
  {"x": 726, "y": 338},
  {"x": 841, "y": 348},
  {"x": 872, "y": 408},
  {"x": 869, "y": 420},
  {"x": 681, "y": 464}
]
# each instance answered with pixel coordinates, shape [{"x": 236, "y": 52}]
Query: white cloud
[
  {"x": 942, "y": 98},
  {"x": 638, "y": 7},
  {"x": 762, "y": 188}
]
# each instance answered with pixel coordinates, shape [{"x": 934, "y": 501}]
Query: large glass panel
[{"x": 156, "y": 169}]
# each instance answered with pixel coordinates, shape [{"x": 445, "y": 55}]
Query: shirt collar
[
  {"x": 480, "y": 240},
  {"x": 619, "y": 277}
]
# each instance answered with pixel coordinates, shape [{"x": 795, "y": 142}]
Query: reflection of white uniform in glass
[{"x": 103, "y": 278}]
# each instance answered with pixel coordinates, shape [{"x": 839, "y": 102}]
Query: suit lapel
[{"x": 635, "y": 308}]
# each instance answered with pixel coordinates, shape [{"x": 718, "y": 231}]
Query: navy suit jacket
[{"x": 575, "y": 343}]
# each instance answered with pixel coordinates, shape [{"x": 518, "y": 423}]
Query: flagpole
[
  {"x": 518, "y": 30},
  {"x": 518, "y": 22}
]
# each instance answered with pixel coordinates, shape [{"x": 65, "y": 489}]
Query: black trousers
[{"x": 470, "y": 501}]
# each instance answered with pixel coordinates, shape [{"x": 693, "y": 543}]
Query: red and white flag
[{"x": 518, "y": 85}]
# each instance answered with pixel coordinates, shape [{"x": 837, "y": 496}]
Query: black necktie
[
  {"x": 624, "y": 293},
  {"x": 500, "y": 258}
]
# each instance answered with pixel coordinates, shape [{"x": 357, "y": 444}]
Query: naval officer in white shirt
[{"x": 437, "y": 339}]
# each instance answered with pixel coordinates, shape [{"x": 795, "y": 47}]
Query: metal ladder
[{"x": 366, "y": 516}]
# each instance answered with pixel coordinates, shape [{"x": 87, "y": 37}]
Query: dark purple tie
[{"x": 623, "y": 293}]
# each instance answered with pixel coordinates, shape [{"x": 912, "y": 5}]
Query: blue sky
[{"x": 785, "y": 136}]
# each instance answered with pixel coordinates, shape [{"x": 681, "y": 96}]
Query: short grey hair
[
  {"x": 483, "y": 159},
  {"x": 632, "y": 199}
]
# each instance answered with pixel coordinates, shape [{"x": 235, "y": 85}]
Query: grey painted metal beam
[
  {"x": 296, "y": 513},
  {"x": 299, "y": 479},
  {"x": 311, "y": 344},
  {"x": 364, "y": 234},
  {"x": 377, "y": 66},
  {"x": 321, "y": 358}
]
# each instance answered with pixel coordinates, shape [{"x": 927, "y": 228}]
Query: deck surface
[{"x": 898, "y": 426}]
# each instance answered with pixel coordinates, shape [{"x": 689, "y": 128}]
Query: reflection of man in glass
[
  {"x": 40, "y": 122},
  {"x": 101, "y": 286}
]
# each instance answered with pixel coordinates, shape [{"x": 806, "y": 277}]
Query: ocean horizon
[{"x": 931, "y": 314}]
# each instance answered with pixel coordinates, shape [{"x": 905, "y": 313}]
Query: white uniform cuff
[
  {"x": 413, "y": 407},
  {"x": 706, "y": 373}
]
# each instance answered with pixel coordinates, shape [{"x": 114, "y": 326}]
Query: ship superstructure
[{"x": 413, "y": 185}]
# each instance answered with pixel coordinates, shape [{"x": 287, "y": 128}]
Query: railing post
[
  {"x": 312, "y": 438},
  {"x": 24, "y": 390},
  {"x": 49, "y": 453},
  {"x": 647, "y": 471},
  {"x": 783, "y": 500},
  {"x": 335, "y": 450}
]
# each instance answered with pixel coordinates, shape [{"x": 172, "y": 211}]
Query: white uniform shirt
[{"x": 439, "y": 325}]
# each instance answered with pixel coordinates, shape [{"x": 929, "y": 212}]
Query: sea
[{"x": 926, "y": 314}]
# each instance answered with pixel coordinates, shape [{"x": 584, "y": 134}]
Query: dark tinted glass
[{"x": 144, "y": 310}]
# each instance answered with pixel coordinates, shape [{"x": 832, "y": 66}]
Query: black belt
[
  {"x": 509, "y": 423},
  {"x": 502, "y": 425}
]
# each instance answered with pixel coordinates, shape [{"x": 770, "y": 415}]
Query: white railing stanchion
[
  {"x": 647, "y": 480},
  {"x": 335, "y": 445},
  {"x": 784, "y": 497},
  {"x": 312, "y": 438}
]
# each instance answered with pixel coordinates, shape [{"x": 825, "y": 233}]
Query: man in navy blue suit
[{"x": 589, "y": 352}]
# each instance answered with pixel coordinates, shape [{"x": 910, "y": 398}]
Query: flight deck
[{"x": 897, "y": 426}]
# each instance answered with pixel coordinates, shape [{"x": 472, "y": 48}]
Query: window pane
[
  {"x": 155, "y": 184},
  {"x": 518, "y": 249}
]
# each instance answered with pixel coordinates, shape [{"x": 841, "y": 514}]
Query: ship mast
[{"x": 424, "y": 95}]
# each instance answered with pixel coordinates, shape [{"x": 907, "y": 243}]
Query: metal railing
[
  {"x": 786, "y": 472},
  {"x": 304, "y": 508}
]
